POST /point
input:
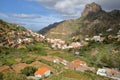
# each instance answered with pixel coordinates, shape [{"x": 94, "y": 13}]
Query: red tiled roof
[
  {"x": 77, "y": 63},
  {"x": 112, "y": 71},
  {"x": 41, "y": 71}
]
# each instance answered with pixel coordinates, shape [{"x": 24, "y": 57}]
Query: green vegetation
[
  {"x": 13, "y": 76},
  {"x": 8, "y": 55},
  {"x": 76, "y": 75},
  {"x": 28, "y": 60},
  {"x": 9, "y": 26},
  {"x": 28, "y": 71},
  {"x": 102, "y": 55},
  {"x": 96, "y": 54},
  {"x": 37, "y": 48}
]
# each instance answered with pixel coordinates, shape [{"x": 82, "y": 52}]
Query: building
[
  {"x": 98, "y": 38},
  {"x": 77, "y": 65},
  {"x": 109, "y": 73},
  {"x": 59, "y": 60},
  {"x": 113, "y": 73},
  {"x": 101, "y": 72},
  {"x": 42, "y": 73}
]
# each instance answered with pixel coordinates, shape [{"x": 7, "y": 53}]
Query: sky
[{"x": 37, "y": 14}]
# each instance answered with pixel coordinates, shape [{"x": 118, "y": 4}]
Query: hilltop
[{"x": 93, "y": 21}]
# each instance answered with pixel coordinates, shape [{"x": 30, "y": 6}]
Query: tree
[{"x": 28, "y": 71}]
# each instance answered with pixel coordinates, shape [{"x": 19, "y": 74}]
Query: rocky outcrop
[
  {"x": 93, "y": 21},
  {"x": 91, "y": 9}
]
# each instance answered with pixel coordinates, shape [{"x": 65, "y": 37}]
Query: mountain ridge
[{"x": 93, "y": 21}]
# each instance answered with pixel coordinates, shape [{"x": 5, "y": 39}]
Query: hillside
[
  {"x": 14, "y": 35},
  {"x": 93, "y": 21},
  {"x": 5, "y": 26},
  {"x": 22, "y": 51},
  {"x": 87, "y": 48},
  {"x": 44, "y": 30}
]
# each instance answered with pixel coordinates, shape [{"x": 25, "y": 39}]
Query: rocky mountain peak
[{"x": 91, "y": 8}]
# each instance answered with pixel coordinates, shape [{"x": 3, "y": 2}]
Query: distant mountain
[
  {"x": 93, "y": 21},
  {"x": 46, "y": 29}
]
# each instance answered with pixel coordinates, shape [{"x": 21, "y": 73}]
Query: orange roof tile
[
  {"x": 77, "y": 63},
  {"x": 112, "y": 71},
  {"x": 41, "y": 71}
]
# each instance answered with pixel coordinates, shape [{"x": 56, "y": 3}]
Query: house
[
  {"x": 111, "y": 37},
  {"x": 77, "y": 65},
  {"x": 101, "y": 72},
  {"x": 37, "y": 39},
  {"x": 87, "y": 39},
  {"x": 42, "y": 73},
  {"x": 109, "y": 73},
  {"x": 98, "y": 38},
  {"x": 113, "y": 73},
  {"x": 75, "y": 44},
  {"x": 108, "y": 30},
  {"x": 10, "y": 41},
  {"x": 19, "y": 41},
  {"x": 84, "y": 43},
  {"x": 59, "y": 60}
]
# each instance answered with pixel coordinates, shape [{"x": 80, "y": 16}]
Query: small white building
[
  {"x": 108, "y": 30},
  {"x": 42, "y": 73},
  {"x": 101, "y": 72},
  {"x": 96, "y": 38},
  {"x": 59, "y": 60}
]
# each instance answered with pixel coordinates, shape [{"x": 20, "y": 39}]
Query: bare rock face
[{"x": 91, "y": 8}]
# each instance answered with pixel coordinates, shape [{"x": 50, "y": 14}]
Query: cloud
[
  {"x": 73, "y": 8},
  {"x": 3, "y": 15},
  {"x": 31, "y": 21},
  {"x": 25, "y": 16}
]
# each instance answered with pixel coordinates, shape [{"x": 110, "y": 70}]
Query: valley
[{"x": 87, "y": 48}]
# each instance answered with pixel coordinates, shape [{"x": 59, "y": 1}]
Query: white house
[
  {"x": 59, "y": 60},
  {"x": 101, "y": 72},
  {"x": 108, "y": 30},
  {"x": 96, "y": 38},
  {"x": 42, "y": 73},
  {"x": 19, "y": 41},
  {"x": 109, "y": 73}
]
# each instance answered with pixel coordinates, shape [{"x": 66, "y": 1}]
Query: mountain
[
  {"x": 44, "y": 30},
  {"x": 93, "y": 21}
]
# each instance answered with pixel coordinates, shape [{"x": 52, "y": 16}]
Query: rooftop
[{"x": 41, "y": 71}]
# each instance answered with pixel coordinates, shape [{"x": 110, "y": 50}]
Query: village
[{"x": 16, "y": 39}]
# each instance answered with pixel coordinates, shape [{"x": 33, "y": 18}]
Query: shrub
[
  {"x": 10, "y": 61},
  {"x": 28, "y": 71},
  {"x": 37, "y": 49},
  {"x": 1, "y": 75},
  {"x": 28, "y": 60},
  {"x": 13, "y": 76}
]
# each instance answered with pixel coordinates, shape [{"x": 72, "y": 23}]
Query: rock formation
[{"x": 91, "y": 8}]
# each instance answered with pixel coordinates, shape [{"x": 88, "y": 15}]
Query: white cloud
[
  {"x": 31, "y": 21},
  {"x": 3, "y": 15},
  {"x": 25, "y": 16},
  {"x": 73, "y": 8}
]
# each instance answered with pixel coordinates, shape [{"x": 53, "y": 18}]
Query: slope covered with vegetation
[
  {"x": 21, "y": 63},
  {"x": 93, "y": 21}
]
